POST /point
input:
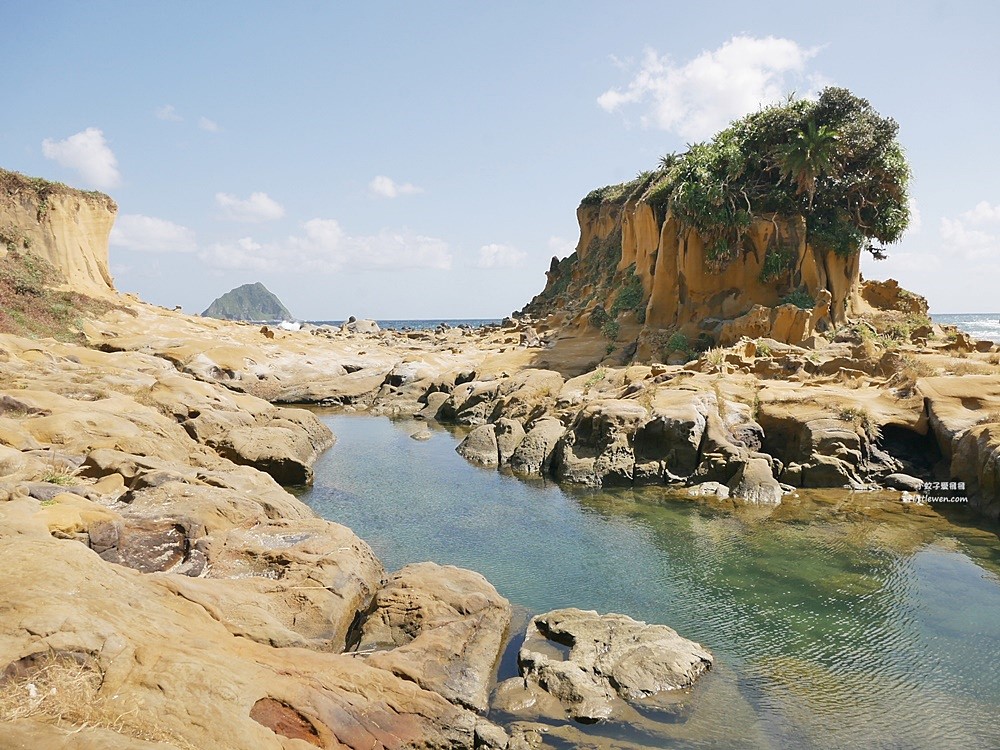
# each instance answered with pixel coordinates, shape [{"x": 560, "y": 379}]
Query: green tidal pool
[{"x": 838, "y": 619}]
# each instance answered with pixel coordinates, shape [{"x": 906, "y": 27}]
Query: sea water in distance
[
  {"x": 978, "y": 325},
  {"x": 837, "y": 621},
  {"x": 420, "y": 324}
]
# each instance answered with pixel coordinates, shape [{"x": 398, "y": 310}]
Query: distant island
[{"x": 248, "y": 302}]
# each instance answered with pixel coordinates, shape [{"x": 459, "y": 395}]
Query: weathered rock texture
[
  {"x": 682, "y": 290},
  {"x": 184, "y": 598},
  {"x": 964, "y": 414},
  {"x": 445, "y": 627},
  {"x": 588, "y": 661},
  {"x": 165, "y": 662},
  {"x": 754, "y": 421},
  {"x": 68, "y": 228}
]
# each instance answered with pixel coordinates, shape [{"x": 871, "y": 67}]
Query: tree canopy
[{"x": 834, "y": 161}]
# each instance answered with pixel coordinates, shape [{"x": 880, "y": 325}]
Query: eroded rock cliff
[
  {"x": 635, "y": 263},
  {"x": 768, "y": 219},
  {"x": 69, "y": 228}
]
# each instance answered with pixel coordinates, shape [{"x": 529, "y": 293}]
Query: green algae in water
[{"x": 837, "y": 620}]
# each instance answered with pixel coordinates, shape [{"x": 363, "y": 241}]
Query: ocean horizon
[
  {"x": 984, "y": 326},
  {"x": 397, "y": 324}
]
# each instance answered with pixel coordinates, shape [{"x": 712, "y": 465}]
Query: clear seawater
[
  {"x": 978, "y": 325},
  {"x": 420, "y": 324},
  {"x": 837, "y": 620}
]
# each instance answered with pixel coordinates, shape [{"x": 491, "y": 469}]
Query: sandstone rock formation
[
  {"x": 68, "y": 228},
  {"x": 755, "y": 420},
  {"x": 124, "y": 482},
  {"x": 964, "y": 414},
  {"x": 732, "y": 230},
  {"x": 156, "y": 565},
  {"x": 588, "y": 662},
  {"x": 166, "y": 669},
  {"x": 445, "y": 627},
  {"x": 680, "y": 289}
]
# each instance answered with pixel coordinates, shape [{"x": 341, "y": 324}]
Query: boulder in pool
[{"x": 587, "y": 662}]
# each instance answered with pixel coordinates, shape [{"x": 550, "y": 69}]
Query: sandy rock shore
[{"x": 158, "y": 560}]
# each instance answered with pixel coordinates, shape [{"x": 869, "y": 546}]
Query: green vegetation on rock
[
  {"x": 835, "y": 162},
  {"x": 630, "y": 296},
  {"x": 830, "y": 172},
  {"x": 30, "y": 307},
  {"x": 800, "y": 298},
  {"x": 248, "y": 302},
  {"x": 17, "y": 185}
]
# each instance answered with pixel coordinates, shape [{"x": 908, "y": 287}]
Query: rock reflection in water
[{"x": 837, "y": 619}]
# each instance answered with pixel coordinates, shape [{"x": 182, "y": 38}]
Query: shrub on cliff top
[
  {"x": 834, "y": 161},
  {"x": 15, "y": 185}
]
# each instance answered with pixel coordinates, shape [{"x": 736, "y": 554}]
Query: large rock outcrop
[
  {"x": 735, "y": 223},
  {"x": 68, "y": 228},
  {"x": 628, "y": 247},
  {"x": 964, "y": 414},
  {"x": 131, "y": 653}
]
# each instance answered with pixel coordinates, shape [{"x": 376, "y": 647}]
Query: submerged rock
[
  {"x": 588, "y": 661},
  {"x": 755, "y": 483}
]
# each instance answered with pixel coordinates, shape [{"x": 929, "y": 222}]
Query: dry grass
[
  {"x": 595, "y": 377},
  {"x": 715, "y": 357},
  {"x": 29, "y": 307},
  {"x": 862, "y": 421},
  {"x": 16, "y": 185},
  {"x": 971, "y": 368},
  {"x": 912, "y": 368},
  {"x": 64, "y": 692},
  {"x": 62, "y": 476}
]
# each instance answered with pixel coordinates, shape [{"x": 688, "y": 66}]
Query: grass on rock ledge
[{"x": 30, "y": 307}]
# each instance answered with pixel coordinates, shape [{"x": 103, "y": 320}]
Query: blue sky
[{"x": 407, "y": 160}]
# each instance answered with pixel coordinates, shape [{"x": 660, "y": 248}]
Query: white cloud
[
  {"x": 501, "y": 256},
  {"x": 149, "y": 234},
  {"x": 243, "y": 254},
  {"x": 982, "y": 213},
  {"x": 916, "y": 220},
  {"x": 700, "y": 97},
  {"x": 167, "y": 112},
  {"x": 619, "y": 62},
  {"x": 210, "y": 125},
  {"x": 324, "y": 247},
  {"x": 386, "y": 187},
  {"x": 561, "y": 247},
  {"x": 971, "y": 244},
  {"x": 968, "y": 238},
  {"x": 89, "y": 154},
  {"x": 258, "y": 207}
]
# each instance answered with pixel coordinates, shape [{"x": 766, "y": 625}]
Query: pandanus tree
[
  {"x": 834, "y": 161},
  {"x": 811, "y": 153}
]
